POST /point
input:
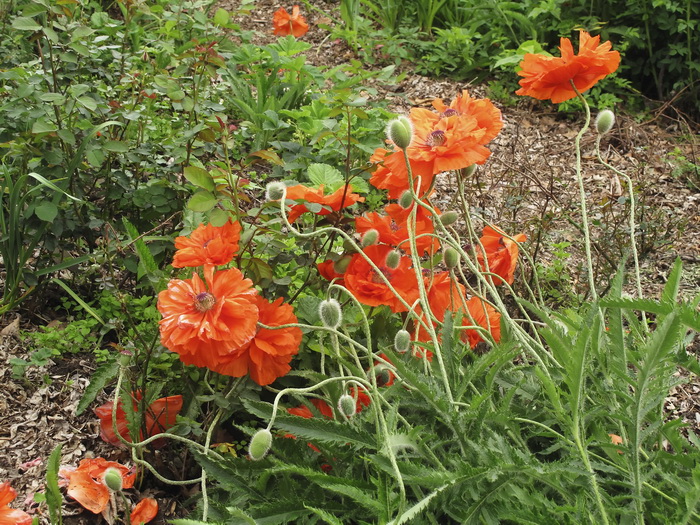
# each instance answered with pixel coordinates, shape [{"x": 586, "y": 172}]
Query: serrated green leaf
[
  {"x": 418, "y": 508},
  {"x": 328, "y": 176},
  {"x": 99, "y": 378},
  {"x": 53, "y": 492},
  {"x": 202, "y": 201},
  {"x": 199, "y": 177},
  {"x": 670, "y": 291}
]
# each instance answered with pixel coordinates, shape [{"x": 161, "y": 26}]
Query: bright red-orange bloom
[
  {"x": 86, "y": 483},
  {"x": 549, "y": 78},
  {"x": 144, "y": 511},
  {"x": 443, "y": 294},
  {"x": 361, "y": 397},
  {"x": 484, "y": 315},
  {"x": 339, "y": 199},
  {"x": 501, "y": 253},
  {"x": 487, "y": 116},
  {"x": 305, "y": 412},
  {"x": 160, "y": 416},
  {"x": 327, "y": 270},
  {"x": 207, "y": 324},
  {"x": 213, "y": 245},
  {"x": 266, "y": 357},
  {"x": 369, "y": 288},
  {"x": 8, "y": 515},
  {"x": 391, "y": 173},
  {"x": 285, "y": 24}
]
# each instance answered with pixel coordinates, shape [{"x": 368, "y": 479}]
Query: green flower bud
[
  {"x": 113, "y": 479},
  {"x": 468, "y": 171},
  {"x": 402, "y": 341},
  {"x": 330, "y": 313},
  {"x": 449, "y": 217},
  {"x": 260, "y": 444},
  {"x": 400, "y": 132},
  {"x": 450, "y": 257},
  {"x": 604, "y": 121},
  {"x": 342, "y": 264},
  {"x": 347, "y": 405},
  {"x": 369, "y": 238},
  {"x": 383, "y": 375},
  {"x": 393, "y": 259},
  {"x": 275, "y": 191},
  {"x": 406, "y": 200}
]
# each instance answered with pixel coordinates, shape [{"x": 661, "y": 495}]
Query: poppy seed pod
[
  {"x": 402, "y": 341},
  {"x": 260, "y": 444},
  {"x": 406, "y": 200},
  {"x": 451, "y": 257},
  {"x": 400, "y": 132},
  {"x": 604, "y": 121},
  {"x": 393, "y": 259},
  {"x": 113, "y": 479},
  {"x": 369, "y": 238},
  {"x": 347, "y": 405},
  {"x": 449, "y": 217},
  {"x": 275, "y": 191},
  {"x": 330, "y": 313}
]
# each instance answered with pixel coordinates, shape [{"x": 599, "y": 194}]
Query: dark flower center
[
  {"x": 450, "y": 112},
  {"x": 436, "y": 138},
  {"x": 377, "y": 279},
  {"x": 204, "y": 301}
]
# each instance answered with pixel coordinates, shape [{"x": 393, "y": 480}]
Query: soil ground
[{"x": 529, "y": 178}]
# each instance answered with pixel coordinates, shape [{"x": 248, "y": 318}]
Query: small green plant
[
  {"x": 685, "y": 169},
  {"x": 556, "y": 278}
]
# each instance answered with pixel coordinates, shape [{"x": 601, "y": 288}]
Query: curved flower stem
[{"x": 582, "y": 194}]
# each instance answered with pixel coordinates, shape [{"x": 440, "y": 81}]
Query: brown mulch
[{"x": 529, "y": 178}]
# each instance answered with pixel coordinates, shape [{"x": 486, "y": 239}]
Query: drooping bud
[
  {"x": 393, "y": 259},
  {"x": 113, "y": 479},
  {"x": 275, "y": 191},
  {"x": 347, "y": 405},
  {"x": 330, "y": 313},
  {"x": 400, "y": 132},
  {"x": 260, "y": 444},
  {"x": 406, "y": 200},
  {"x": 449, "y": 217},
  {"x": 402, "y": 341},
  {"x": 370, "y": 237},
  {"x": 383, "y": 375},
  {"x": 468, "y": 171},
  {"x": 604, "y": 121},
  {"x": 342, "y": 264},
  {"x": 450, "y": 257}
]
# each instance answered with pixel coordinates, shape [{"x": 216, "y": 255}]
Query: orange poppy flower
[
  {"x": 285, "y": 24},
  {"x": 303, "y": 411},
  {"x": 443, "y": 294},
  {"x": 86, "y": 483},
  {"x": 144, "y": 511},
  {"x": 215, "y": 245},
  {"x": 485, "y": 316},
  {"x": 339, "y": 199},
  {"x": 266, "y": 357},
  {"x": 393, "y": 229},
  {"x": 368, "y": 287},
  {"x": 205, "y": 325},
  {"x": 391, "y": 173},
  {"x": 327, "y": 270},
  {"x": 361, "y": 397},
  {"x": 501, "y": 253},
  {"x": 488, "y": 117},
  {"x": 549, "y": 78},
  {"x": 8, "y": 515},
  {"x": 160, "y": 416},
  {"x": 388, "y": 378}
]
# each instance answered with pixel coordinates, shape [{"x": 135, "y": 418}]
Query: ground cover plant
[{"x": 287, "y": 323}]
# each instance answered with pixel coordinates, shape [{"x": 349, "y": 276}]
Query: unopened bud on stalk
[
  {"x": 402, "y": 341},
  {"x": 330, "y": 313},
  {"x": 275, "y": 191},
  {"x": 347, "y": 405},
  {"x": 406, "y": 199},
  {"x": 393, "y": 259},
  {"x": 604, "y": 121},
  {"x": 383, "y": 375},
  {"x": 450, "y": 257},
  {"x": 113, "y": 479},
  {"x": 260, "y": 444},
  {"x": 400, "y": 132},
  {"x": 449, "y": 217},
  {"x": 342, "y": 264},
  {"x": 468, "y": 171},
  {"x": 369, "y": 238}
]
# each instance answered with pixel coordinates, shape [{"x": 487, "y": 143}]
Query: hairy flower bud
[
  {"x": 406, "y": 200},
  {"x": 393, "y": 259},
  {"x": 400, "y": 132},
  {"x": 604, "y": 121},
  {"x": 330, "y": 313},
  {"x": 113, "y": 479},
  {"x": 402, "y": 341},
  {"x": 260, "y": 444},
  {"x": 450, "y": 257},
  {"x": 369, "y": 238},
  {"x": 383, "y": 375},
  {"x": 275, "y": 191},
  {"x": 449, "y": 217},
  {"x": 468, "y": 171},
  {"x": 347, "y": 405}
]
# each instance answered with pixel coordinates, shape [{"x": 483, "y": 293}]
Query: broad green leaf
[
  {"x": 24, "y": 23},
  {"x": 199, "y": 177},
  {"x": 46, "y": 211},
  {"x": 43, "y": 126},
  {"x": 221, "y": 17},
  {"x": 54, "y": 98},
  {"x": 328, "y": 176},
  {"x": 116, "y": 146},
  {"x": 87, "y": 102},
  {"x": 202, "y": 201}
]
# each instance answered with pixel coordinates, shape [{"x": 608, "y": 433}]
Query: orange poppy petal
[{"x": 144, "y": 511}]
